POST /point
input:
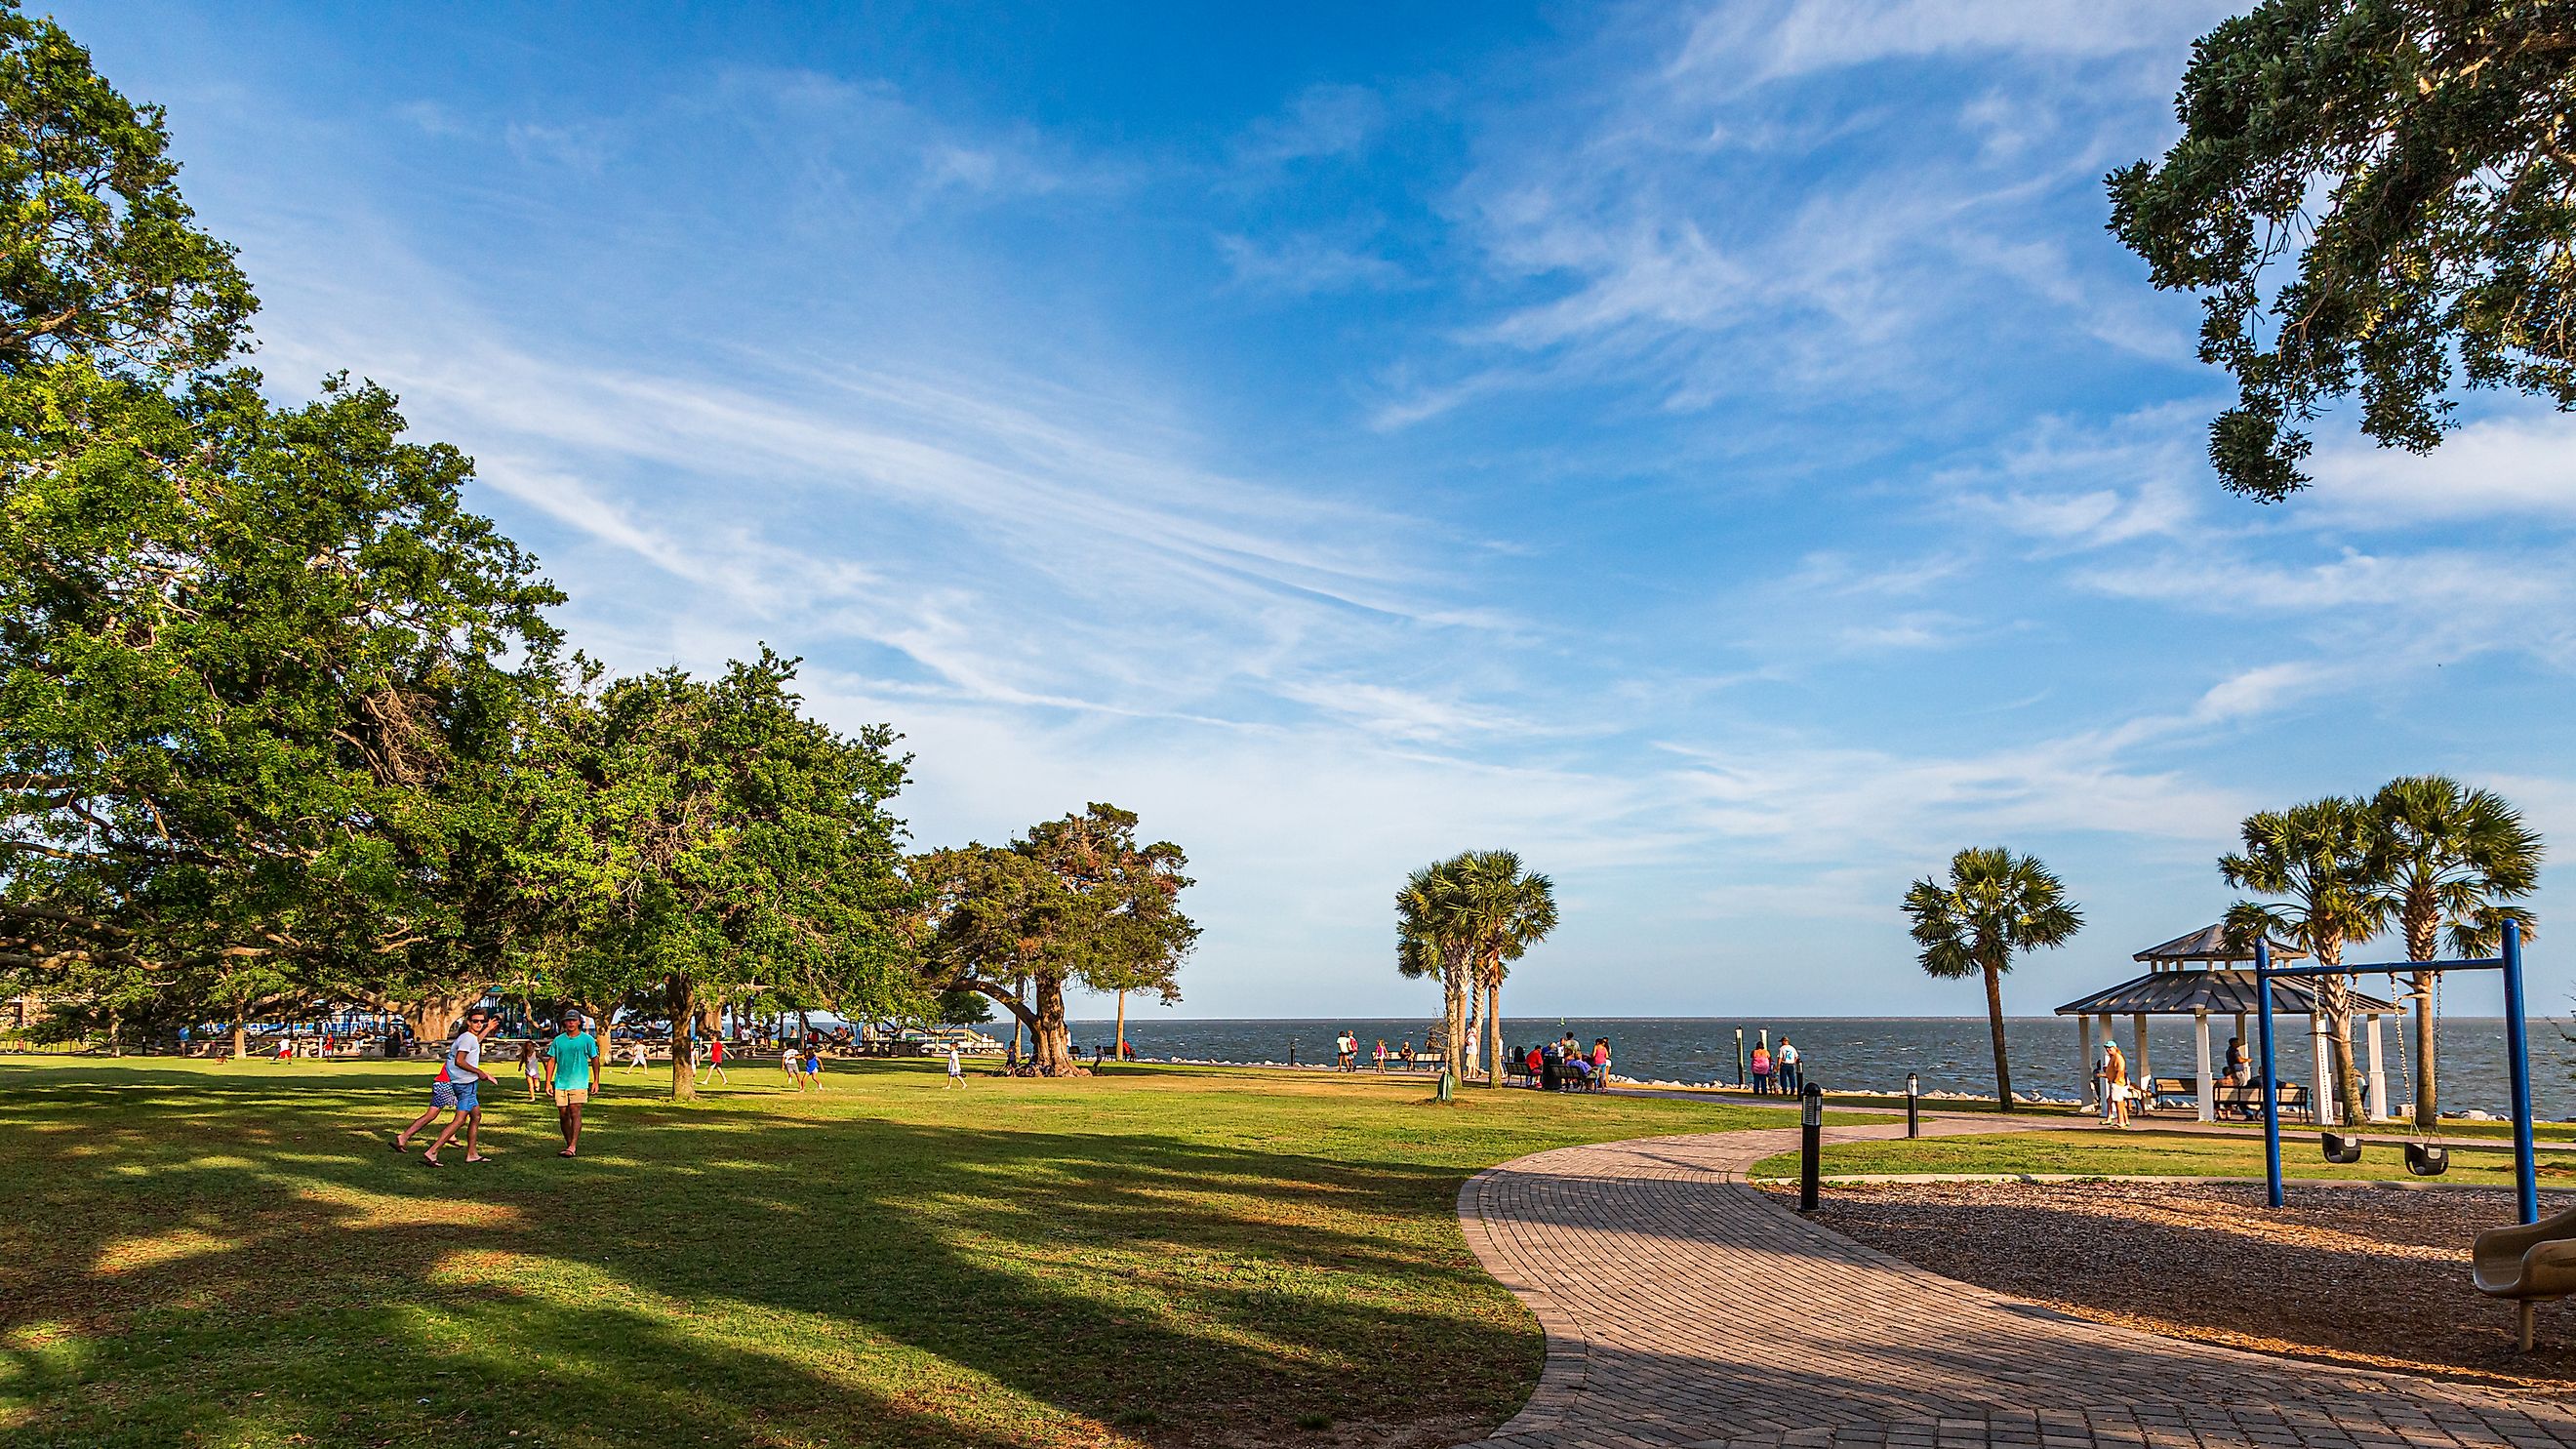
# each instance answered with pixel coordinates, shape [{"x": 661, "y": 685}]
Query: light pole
[{"x": 1913, "y": 1104}]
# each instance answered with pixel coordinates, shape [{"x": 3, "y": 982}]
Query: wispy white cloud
[{"x": 1305, "y": 265}]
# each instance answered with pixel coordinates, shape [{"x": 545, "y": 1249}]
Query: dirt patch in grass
[{"x": 2365, "y": 1278}]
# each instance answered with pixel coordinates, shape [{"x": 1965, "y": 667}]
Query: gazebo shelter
[{"x": 2195, "y": 976}]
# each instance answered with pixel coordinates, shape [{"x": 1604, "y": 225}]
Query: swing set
[{"x": 2424, "y": 1158}]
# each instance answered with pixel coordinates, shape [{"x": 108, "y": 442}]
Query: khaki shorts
[{"x": 573, "y": 1097}]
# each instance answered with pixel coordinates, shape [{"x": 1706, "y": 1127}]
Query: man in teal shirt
[{"x": 574, "y": 1052}]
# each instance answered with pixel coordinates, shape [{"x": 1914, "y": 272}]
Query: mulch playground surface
[{"x": 2369, "y": 1278}]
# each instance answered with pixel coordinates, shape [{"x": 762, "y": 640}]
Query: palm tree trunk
[
  {"x": 2334, "y": 1003},
  {"x": 1493, "y": 1033},
  {"x": 1995, "y": 1024},
  {"x": 1455, "y": 1036},
  {"x": 2427, "y": 1104}
]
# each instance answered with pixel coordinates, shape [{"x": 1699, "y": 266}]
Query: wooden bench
[{"x": 2294, "y": 1099}]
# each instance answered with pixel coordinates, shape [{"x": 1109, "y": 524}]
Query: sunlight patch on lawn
[{"x": 127, "y": 1255}]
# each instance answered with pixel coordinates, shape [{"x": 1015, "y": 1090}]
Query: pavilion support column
[
  {"x": 2090, "y": 1093},
  {"x": 2200, "y": 1045},
  {"x": 2378, "y": 1092},
  {"x": 2140, "y": 1071}
]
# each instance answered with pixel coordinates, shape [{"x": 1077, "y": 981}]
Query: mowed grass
[
  {"x": 2146, "y": 1153},
  {"x": 197, "y": 1253}
]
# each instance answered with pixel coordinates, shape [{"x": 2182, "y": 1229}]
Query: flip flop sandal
[
  {"x": 427, "y": 1161},
  {"x": 567, "y": 1152},
  {"x": 472, "y": 1160},
  {"x": 398, "y": 1147}
]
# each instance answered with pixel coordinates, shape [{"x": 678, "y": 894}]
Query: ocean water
[{"x": 1875, "y": 1053}]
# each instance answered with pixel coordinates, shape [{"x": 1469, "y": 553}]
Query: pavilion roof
[
  {"x": 2221, "y": 993},
  {"x": 2209, "y": 943}
]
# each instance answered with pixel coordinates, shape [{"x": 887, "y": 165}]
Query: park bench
[{"x": 2294, "y": 1098}]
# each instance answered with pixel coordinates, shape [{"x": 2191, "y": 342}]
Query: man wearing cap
[{"x": 574, "y": 1052}]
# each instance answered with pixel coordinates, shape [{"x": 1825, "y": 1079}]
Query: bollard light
[
  {"x": 1811, "y": 1135},
  {"x": 1913, "y": 1104}
]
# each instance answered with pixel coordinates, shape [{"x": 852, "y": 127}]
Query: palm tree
[
  {"x": 1996, "y": 905},
  {"x": 2323, "y": 857},
  {"x": 1512, "y": 910},
  {"x": 1433, "y": 938},
  {"x": 2448, "y": 856}
]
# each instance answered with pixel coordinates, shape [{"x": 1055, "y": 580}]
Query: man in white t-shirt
[
  {"x": 956, "y": 1068},
  {"x": 460, "y": 1079}
]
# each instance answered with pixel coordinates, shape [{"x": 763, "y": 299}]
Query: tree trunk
[
  {"x": 1120, "y": 1052},
  {"x": 433, "y": 1018},
  {"x": 2334, "y": 1003},
  {"x": 2428, "y": 1111},
  {"x": 1493, "y": 1033},
  {"x": 1995, "y": 1026},
  {"x": 684, "y": 1073},
  {"x": 2423, "y": 924},
  {"x": 1454, "y": 1028},
  {"x": 1049, "y": 1038},
  {"x": 241, "y": 1035}
]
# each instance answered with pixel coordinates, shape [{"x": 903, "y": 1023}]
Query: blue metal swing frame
[{"x": 2526, "y": 1174}]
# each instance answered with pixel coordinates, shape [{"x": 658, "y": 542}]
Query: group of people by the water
[
  {"x": 1563, "y": 1065},
  {"x": 1346, "y": 1053},
  {"x": 1776, "y": 1068}
]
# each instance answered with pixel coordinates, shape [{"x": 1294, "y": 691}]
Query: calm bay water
[{"x": 1875, "y": 1053}]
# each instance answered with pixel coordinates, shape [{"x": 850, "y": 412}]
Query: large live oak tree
[
  {"x": 729, "y": 847},
  {"x": 1076, "y": 901},
  {"x": 2371, "y": 198}
]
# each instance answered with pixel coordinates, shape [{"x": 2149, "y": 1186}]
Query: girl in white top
[{"x": 956, "y": 1069}]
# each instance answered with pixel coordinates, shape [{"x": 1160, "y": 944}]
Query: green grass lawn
[
  {"x": 193, "y": 1253},
  {"x": 2140, "y": 1152}
]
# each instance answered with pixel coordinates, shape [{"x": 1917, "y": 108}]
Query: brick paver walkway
[{"x": 1684, "y": 1307}]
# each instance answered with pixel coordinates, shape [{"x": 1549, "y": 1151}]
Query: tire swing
[{"x": 2424, "y": 1156}]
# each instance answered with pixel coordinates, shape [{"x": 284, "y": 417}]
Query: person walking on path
[
  {"x": 1761, "y": 1071},
  {"x": 455, "y": 1089},
  {"x": 1785, "y": 1065},
  {"x": 2115, "y": 1086},
  {"x": 574, "y": 1052},
  {"x": 1381, "y": 1054},
  {"x": 1601, "y": 1062},
  {"x": 956, "y": 1068}
]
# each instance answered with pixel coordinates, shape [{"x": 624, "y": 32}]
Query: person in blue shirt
[{"x": 574, "y": 1052}]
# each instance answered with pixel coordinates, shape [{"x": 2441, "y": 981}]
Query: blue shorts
[{"x": 457, "y": 1095}]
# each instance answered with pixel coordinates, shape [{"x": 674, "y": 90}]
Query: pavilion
[{"x": 2195, "y": 976}]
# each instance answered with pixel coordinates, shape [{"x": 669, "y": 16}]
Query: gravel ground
[{"x": 2368, "y": 1278}]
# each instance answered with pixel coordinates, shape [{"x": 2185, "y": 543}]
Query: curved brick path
[{"x": 1683, "y": 1307}]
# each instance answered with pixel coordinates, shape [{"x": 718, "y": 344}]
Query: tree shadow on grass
[{"x": 208, "y": 1256}]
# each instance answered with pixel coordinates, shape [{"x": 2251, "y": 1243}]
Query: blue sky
[{"x": 1717, "y": 452}]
